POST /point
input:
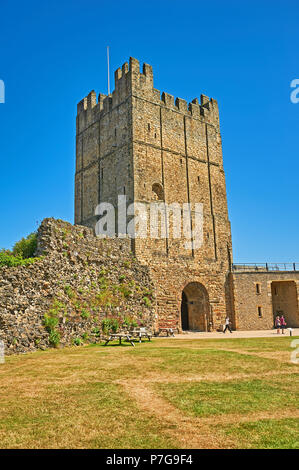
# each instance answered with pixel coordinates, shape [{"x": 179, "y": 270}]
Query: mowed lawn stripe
[
  {"x": 232, "y": 397},
  {"x": 93, "y": 415},
  {"x": 264, "y": 434}
]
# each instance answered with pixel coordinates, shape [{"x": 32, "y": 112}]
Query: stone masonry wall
[
  {"x": 248, "y": 299},
  {"x": 82, "y": 279},
  {"x": 173, "y": 277},
  {"x": 104, "y": 164},
  {"x": 177, "y": 145},
  {"x": 139, "y": 139}
]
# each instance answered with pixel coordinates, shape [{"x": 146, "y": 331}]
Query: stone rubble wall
[{"x": 83, "y": 278}]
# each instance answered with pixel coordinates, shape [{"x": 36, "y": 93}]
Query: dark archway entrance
[
  {"x": 184, "y": 312},
  {"x": 195, "y": 307}
]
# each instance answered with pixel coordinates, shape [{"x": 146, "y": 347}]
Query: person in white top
[{"x": 227, "y": 325}]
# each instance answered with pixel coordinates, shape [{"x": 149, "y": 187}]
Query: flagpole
[{"x": 108, "y": 72}]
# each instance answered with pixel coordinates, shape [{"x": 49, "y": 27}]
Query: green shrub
[
  {"x": 114, "y": 325},
  {"x": 85, "y": 336},
  {"x": 85, "y": 313},
  {"x": 57, "y": 307},
  {"x": 54, "y": 338},
  {"x": 9, "y": 260},
  {"x": 96, "y": 331},
  {"x": 110, "y": 325},
  {"x": 50, "y": 322},
  {"x": 126, "y": 322},
  {"x": 125, "y": 291},
  {"x": 103, "y": 283},
  {"x": 22, "y": 253},
  {"x": 147, "y": 293},
  {"x": 99, "y": 297},
  {"x": 147, "y": 301},
  {"x": 77, "y": 341},
  {"x": 26, "y": 247},
  {"x": 106, "y": 325},
  {"x": 129, "y": 323},
  {"x": 68, "y": 290}
]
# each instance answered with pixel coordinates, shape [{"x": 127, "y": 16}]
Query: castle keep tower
[{"x": 154, "y": 149}]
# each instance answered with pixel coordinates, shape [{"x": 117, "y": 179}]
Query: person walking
[
  {"x": 283, "y": 324},
  {"x": 277, "y": 324},
  {"x": 227, "y": 325}
]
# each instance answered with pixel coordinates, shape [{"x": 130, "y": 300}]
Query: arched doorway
[{"x": 195, "y": 307}]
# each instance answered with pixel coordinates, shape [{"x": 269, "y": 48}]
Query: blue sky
[{"x": 244, "y": 54}]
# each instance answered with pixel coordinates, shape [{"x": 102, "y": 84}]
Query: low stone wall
[{"x": 80, "y": 279}]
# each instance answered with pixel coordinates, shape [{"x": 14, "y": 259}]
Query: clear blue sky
[{"x": 243, "y": 53}]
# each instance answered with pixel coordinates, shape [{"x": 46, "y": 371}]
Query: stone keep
[{"x": 154, "y": 149}]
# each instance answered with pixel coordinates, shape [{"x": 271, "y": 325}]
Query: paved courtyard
[{"x": 236, "y": 334}]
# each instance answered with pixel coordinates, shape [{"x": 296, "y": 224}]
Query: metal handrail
[{"x": 265, "y": 267}]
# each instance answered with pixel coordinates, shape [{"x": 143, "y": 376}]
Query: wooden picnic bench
[
  {"x": 119, "y": 336},
  {"x": 168, "y": 331},
  {"x": 141, "y": 333}
]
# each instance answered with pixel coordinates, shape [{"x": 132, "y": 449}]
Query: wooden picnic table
[
  {"x": 169, "y": 331},
  {"x": 141, "y": 332},
  {"x": 120, "y": 336}
]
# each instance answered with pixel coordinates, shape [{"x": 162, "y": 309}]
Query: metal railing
[{"x": 249, "y": 267}]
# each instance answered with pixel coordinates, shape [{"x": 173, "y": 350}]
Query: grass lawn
[{"x": 170, "y": 393}]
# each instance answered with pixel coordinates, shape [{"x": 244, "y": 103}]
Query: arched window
[{"x": 158, "y": 193}]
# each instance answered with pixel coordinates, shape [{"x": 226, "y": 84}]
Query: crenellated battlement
[{"x": 130, "y": 81}]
